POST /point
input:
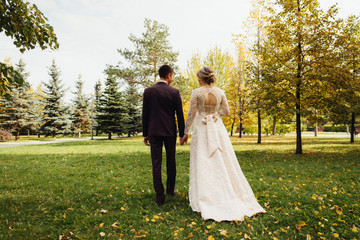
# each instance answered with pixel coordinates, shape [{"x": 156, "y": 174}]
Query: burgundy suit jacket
[{"x": 160, "y": 104}]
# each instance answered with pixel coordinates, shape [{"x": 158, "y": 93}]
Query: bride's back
[{"x": 209, "y": 100}]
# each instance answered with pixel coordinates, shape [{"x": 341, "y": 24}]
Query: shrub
[
  {"x": 284, "y": 128},
  {"x": 5, "y": 135},
  {"x": 335, "y": 128}
]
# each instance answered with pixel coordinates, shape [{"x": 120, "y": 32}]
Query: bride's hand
[{"x": 184, "y": 139}]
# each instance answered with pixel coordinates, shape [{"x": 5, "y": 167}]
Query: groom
[{"x": 160, "y": 103}]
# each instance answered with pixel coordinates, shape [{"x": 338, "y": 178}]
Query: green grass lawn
[{"x": 103, "y": 190}]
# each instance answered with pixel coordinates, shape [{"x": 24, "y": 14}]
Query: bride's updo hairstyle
[{"x": 207, "y": 75}]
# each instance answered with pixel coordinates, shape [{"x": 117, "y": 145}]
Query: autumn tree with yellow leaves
[
  {"x": 226, "y": 75},
  {"x": 300, "y": 37}
]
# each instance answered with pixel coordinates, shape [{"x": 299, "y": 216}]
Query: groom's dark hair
[{"x": 164, "y": 70}]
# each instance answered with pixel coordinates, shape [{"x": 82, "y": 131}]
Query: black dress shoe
[
  {"x": 172, "y": 194},
  {"x": 160, "y": 202}
]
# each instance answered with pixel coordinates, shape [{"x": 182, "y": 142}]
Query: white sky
[{"x": 91, "y": 31}]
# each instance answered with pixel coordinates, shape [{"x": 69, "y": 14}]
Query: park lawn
[{"x": 102, "y": 189}]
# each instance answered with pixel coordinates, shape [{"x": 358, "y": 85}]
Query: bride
[{"x": 218, "y": 188}]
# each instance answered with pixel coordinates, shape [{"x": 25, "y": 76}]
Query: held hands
[
  {"x": 184, "y": 139},
  {"x": 146, "y": 141}
]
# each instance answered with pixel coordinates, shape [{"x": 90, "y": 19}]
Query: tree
[
  {"x": 226, "y": 78},
  {"x": 152, "y": 50},
  {"x": 242, "y": 83},
  {"x": 133, "y": 100},
  {"x": 16, "y": 114},
  {"x": 81, "y": 115},
  {"x": 56, "y": 114},
  {"x": 95, "y": 108},
  {"x": 112, "y": 116},
  {"x": 256, "y": 33},
  {"x": 344, "y": 83},
  {"x": 299, "y": 39},
  {"x": 27, "y": 25},
  {"x": 37, "y": 109}
]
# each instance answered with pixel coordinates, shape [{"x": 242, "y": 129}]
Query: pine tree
[
  {"x": 95, "y": 109},
  {"x": 152, "y": 50},
  {"x": 38, "y": 109},
  {"x": 16, "y": 112},
  {"x": 81, "y": 114},
  {"x": 112, "y": 116},
  {"x": 56, "y": 114},
  {"x": 133, "y": 98}
]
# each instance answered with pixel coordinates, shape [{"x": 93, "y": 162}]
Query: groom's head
[{"x": 166, "y": 73}]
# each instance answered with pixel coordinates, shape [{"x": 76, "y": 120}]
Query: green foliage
[
  {"x": 16, "y": 113},
  {"x": 133, "y": 106},
  {"x": 151, "y": 51},
  {"x": 297, "y": 51},
  {"x": 27, "y": 25},
  {"x": 61, "y": 189},
  {"x": 56, "y": 115},
  {"x": 335, "y": 129},
  {"x": 8, "y": 76},
  {"x": 112, "y": 116},
  {"x": 81, "y": 110}
]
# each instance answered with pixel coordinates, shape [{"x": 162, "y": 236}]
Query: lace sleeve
[
  {"x": 224, "y": 111},
  {"x": 192, "y": 112}
]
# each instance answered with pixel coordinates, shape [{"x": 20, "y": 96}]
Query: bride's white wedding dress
[{"x": 218, "y": 188}]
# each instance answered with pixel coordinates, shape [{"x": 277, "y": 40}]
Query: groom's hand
[
  {"x": 146, "y": 141},
  {"x": 184, "y": 139}
]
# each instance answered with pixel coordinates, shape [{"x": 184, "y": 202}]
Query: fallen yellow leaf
[
  {"x": 339, "y": 210},
  {"x": 210, "y": 238},
  {"x": 223, "y": 233},
  {"x": 336, "y": 235},
  {"x": 101, "y": 225},
  {"x": 302, "y": 223}
]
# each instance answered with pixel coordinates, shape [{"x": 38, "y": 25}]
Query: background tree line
[
  {"x": 43, "y": 111},
  {"x": 295, "y": 63}
]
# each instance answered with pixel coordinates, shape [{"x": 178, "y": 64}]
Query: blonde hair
[{"x": 207, "y": 75}]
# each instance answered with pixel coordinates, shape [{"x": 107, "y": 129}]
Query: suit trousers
[{"x": 156, "y": 144}]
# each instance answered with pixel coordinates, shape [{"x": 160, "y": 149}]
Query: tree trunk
[
  {"x": 17, "y": 135},
  {"x": 259, "y": 127},
  {"x": 232, "y": 127},
  {"x": 298, "y": 121},
  {"x": 274, "y": 126},
  {"x": 79, "y": 134},
  {"x": 109, "y": 136},
  {"x": 38, "y": 134},
  {"x": 241, "y": 127},
  {"x": 54, "y": 134},
  {"x": 28, "y": 131},
  {"x": 352, "y": 131},
  {"x": 316, "y": 125}
]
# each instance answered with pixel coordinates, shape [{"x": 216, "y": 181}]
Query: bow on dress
[{"x": 212, "y": 134}]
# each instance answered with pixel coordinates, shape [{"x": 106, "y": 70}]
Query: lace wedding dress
[{"x": 218, "y": 188}]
